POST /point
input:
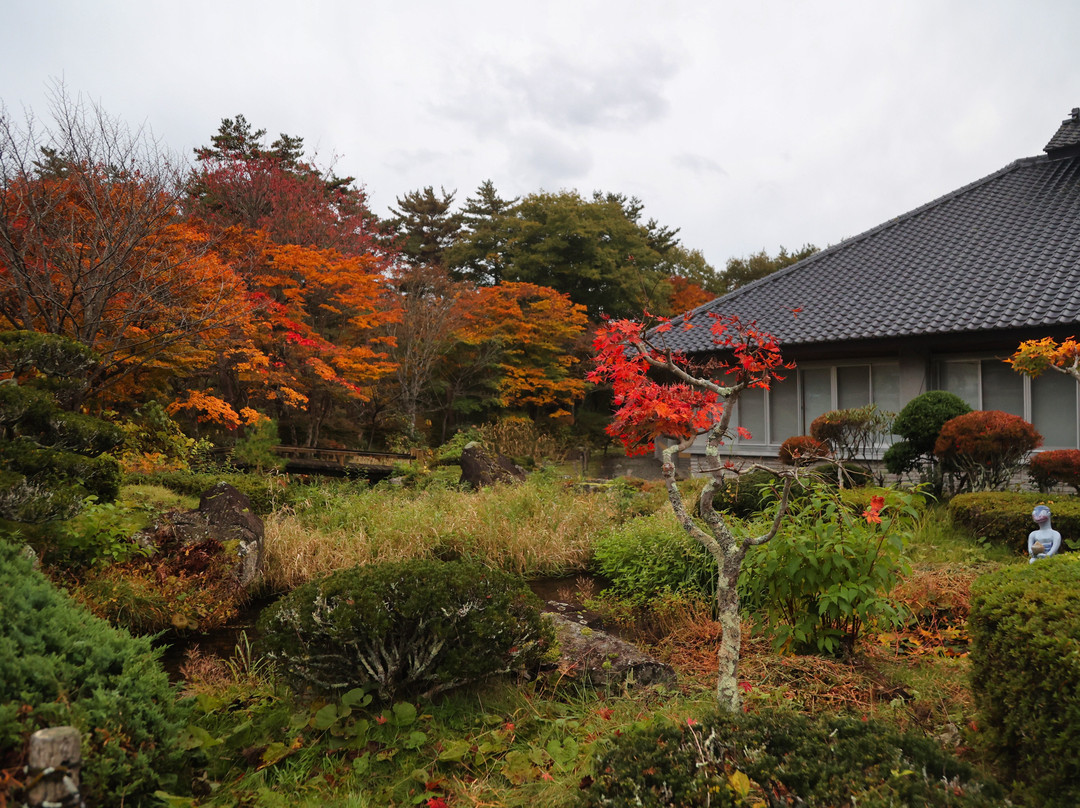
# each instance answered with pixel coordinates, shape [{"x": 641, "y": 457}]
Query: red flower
[
  {"x": 873, "y": 513},
  {"x": 437, "y": 802}
]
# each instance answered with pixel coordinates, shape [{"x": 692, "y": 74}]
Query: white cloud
[{"x": 745, "y": 125}]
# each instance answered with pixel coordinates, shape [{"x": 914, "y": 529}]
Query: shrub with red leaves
[
  {"x": 984, "y": 448},
  {"x": 801, "y": 450},
  {"x": 1059, "y": 467}
]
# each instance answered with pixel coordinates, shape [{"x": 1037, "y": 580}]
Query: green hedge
[
  {"x": 1025, "y": 675},
  {"x": 778, "y": 758},
  {"x": 60, "y": 665},
  {"x": 1004, "y": 517}
]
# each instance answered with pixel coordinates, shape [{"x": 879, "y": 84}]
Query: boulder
[
  {"x": 478, "y": 468},
  {"x": 223, "y": 519},
  {"x": 600, "y": 659}
]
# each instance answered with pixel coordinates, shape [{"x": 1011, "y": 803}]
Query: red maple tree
[{"x": 659, "y": 392}]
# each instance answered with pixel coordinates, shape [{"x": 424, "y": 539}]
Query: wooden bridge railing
[{"x": 342, "y": 458}]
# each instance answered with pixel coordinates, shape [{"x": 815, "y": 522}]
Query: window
[
  {"x": 1053, "y": 409},
  {"x": 752, "y": 415},
  {"x": 1048, "y": 402},
  {"x": 791, "y": 405}
]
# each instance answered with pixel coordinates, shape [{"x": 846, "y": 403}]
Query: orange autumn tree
[
  {"x": 92, "y": 248},
  {"x": 1035, "y": 356},
  {"x": 532, "y": 330},
  {"x": 304, "y": 243},
  {"x": 311, "y": 345},
  {"x": 693, "y": 400},
  {"x": 687, "y": 295}
]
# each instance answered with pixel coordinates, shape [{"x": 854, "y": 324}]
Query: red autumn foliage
[
  {"x": 691, "y": 405},
  {"x": 801, "y": 450},
  {"x": 985, "y": 447},
  {"x": 1057, "y": 467}
]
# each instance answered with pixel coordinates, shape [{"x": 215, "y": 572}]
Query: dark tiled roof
[
  {"x": 1068, "y": 134},
  {"x": 1000, "y": 253}
]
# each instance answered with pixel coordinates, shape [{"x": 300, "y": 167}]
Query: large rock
[
  {"x": 224, "y": 518},
  {"x": 595, "y": 657},
  {"x": 478, "y": 468}
]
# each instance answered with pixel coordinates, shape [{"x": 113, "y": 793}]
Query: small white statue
[{"x": 1045, "y": 541}]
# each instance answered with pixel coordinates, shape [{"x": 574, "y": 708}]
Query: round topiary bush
[
  {"x": 985, "y": 448},
  {"x": 919, "y": 423},
  {"x": 60, "y": 665},
  {"x": 405, "y": 628},
  {"x": 779, "y": 758},
  {"x": 1058, "y": 467}
]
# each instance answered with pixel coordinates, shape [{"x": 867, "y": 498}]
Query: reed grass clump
[{"x": 536, "y": 528}]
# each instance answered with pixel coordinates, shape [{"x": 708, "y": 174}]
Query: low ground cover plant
[
  {"x": 405, "y": 628},
  {"x": 779, "y": 758},
  {"x": 60, "y": 665}
]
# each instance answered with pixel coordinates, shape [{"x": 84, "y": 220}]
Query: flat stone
[{"x": 595, "y": 657}]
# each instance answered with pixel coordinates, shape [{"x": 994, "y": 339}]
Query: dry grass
[
  {"x": 924, "y": 691},
  {"x": 537, "y": 527}
]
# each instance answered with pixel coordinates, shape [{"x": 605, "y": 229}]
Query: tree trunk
[{"x": 727, "y": 602}]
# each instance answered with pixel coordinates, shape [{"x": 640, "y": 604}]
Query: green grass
[
  {"x": 937, "y": 540},
  {"x": 155, "y": 498}
]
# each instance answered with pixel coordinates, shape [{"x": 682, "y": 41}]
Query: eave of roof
[{"x": 1002, "y": 252}]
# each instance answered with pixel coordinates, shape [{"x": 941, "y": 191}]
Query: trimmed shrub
[
  {"x": 1058, "y": 467},
  {"x": 60, "y": 665},
  {"x": 778, "y": 759},
  {"x": 852, "y": 432},
  {"x": 1004, "y": 517},
  {"x": 405, "y": 628},
  {"x": 1025, "y": 676},
  {"x": 802, "y": 450},
  {"x": 921, "y": 419},
  {"x": 919, "y": 423},
  {"x": 650, "y": 556},
  {"x": 985, "y": 448}
]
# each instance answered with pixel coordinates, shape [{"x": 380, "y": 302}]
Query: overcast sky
[{"x": 748, "y": 125}]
